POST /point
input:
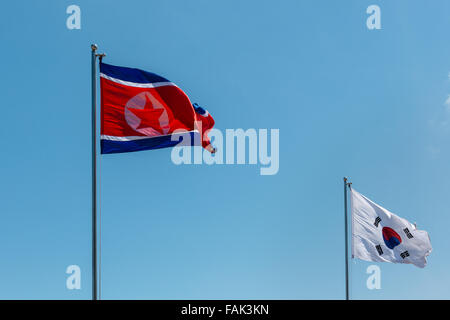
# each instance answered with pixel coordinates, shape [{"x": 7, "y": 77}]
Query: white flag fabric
[{"x": 381, "y": 236}]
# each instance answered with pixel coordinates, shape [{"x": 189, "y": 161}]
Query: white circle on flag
[{"x": 145, "y": 100}]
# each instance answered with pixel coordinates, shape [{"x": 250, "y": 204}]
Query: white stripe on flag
[
  {"x": 138, "y": 85},
  {"x": 132, "y": 138}
]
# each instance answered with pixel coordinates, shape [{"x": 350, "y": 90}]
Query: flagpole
[
  {"x": 94, "y": 172},
  {"x": 346, "y": 238}
]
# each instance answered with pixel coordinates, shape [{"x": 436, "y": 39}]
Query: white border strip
[
  {"x": 132, "y": 138},
  {"x": 138, "y": 85}
]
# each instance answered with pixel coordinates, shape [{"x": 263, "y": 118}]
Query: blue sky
[{"x": 347, "y": 100}]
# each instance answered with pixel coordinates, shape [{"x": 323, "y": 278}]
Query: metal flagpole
[
  {"x": 95, "y": 270},
  {"x": 346, "y": 238},
  {"x": 94, "y": 172}
]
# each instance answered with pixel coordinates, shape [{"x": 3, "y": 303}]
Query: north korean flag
[{"x": 142, "y": 111}]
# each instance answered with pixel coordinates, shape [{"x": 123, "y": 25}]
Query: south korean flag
[{"x": 381, "y": 236}]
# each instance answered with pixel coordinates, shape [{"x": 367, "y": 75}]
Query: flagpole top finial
[{"x": 94, "y": 47}]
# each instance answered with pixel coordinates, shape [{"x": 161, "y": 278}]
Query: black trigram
[
  {"x": 404, "y": 254},
  {"x": 408, "y": 234},
  {"x": 377, "y": 221},
  {"x": 380, "y": 251}
]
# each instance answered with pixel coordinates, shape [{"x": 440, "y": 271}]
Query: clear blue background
[{"x": 347, "y": 101}]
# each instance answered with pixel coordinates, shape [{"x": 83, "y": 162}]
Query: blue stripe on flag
[
  {"x": 130, "y": 74},
  {"x": 111, "y": 146}
]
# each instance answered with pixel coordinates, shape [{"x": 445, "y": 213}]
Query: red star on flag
[{"x": 148, "y": 117}]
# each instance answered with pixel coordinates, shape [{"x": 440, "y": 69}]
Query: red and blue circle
[{"x": 391, "y": 238}]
